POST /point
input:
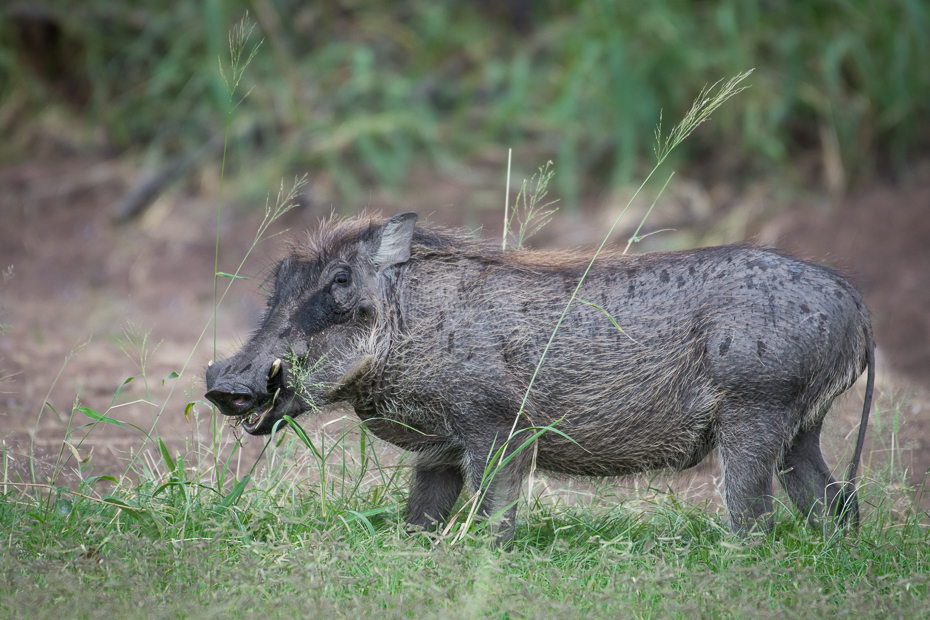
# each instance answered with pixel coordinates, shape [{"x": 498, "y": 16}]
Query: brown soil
[{"x": 84, "y": 287}]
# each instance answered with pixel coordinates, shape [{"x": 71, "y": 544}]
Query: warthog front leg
[
  {"x": 437, "y": 483},
  {"x": 498, "y": 481}
]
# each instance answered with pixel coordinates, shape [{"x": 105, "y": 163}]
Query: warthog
[{"x": 434, "y": 337}]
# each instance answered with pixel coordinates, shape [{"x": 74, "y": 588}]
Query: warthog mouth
[
  {"x": 261, "y": 420},
  {"x": 253, "y": 422},
  {"x": 256, "y": 418}
]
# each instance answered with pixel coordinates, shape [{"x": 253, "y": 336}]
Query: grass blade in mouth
[{"x": 253, "y": 418}]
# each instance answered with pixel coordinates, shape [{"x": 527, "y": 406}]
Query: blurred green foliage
[{"x": 359, "y": 92}]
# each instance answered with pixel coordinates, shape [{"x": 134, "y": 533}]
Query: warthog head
[{"x": 315, "y": 337}]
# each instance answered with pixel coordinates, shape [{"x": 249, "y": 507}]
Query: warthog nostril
[{"x": 232, "y": 401}]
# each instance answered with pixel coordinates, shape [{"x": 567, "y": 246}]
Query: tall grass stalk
[
  {"x": 530, "y": 211},
  {"x": 706, "y": 104},
  {"x": 238, "y": 38},
  {"x": 506, "y": 202},
  {"x": 45, "y": 403},
  {"x": 284, "y": 202},
  {"x": 237, "y": 42}
]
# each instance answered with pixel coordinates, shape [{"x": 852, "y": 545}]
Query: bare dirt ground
[{"x": 84, "y": 293}]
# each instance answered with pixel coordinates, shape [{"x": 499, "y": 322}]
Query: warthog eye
[{"x": 341, "y": 277}]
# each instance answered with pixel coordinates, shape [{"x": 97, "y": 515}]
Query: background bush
[{"x": 361, "y": 92}]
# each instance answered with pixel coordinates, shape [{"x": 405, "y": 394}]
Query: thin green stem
[
  {"x": 219, "y": 212},
  {"x": 216, "y": 268},
  {"x": 283, "y": 204},
  {"x": 700, "y": 111},
  {"x": 506, "y": 203},
  {"x": 636, "y": 236},
  {"x": 571, "y": 300}
]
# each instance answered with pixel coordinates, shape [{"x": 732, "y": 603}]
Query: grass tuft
[{"x": 319, "y": 532}]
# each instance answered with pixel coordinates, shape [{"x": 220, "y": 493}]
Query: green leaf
[
  {"x": 90, "y": 413},
  {"x": 302, "y": 435},
  {"x": 171, "y": 375},
  {"x": 358, "y": 516},
  {"x": 49, "y": 405},
  {"x": 120, "y": 389},
  {"x": 236, "y": 492},
  {"x": 157, "y": 492},
  {"x": 187, "y": 411},
  {"x": 612, "y": 320},
  {"x": 233, "y": 276},
  {"x": 165, "y": 455}
]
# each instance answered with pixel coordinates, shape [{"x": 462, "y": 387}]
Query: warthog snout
[{"x": 247, "y": 393}]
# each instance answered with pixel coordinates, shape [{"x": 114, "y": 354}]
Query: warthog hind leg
[
  {"x": 808, "y": 482},
  {"x": 750, "y": 442}
]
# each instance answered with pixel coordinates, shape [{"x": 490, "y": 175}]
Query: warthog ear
[{"x": 394, "y": 242}]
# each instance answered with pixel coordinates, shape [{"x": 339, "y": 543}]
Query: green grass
[{"x": 320, "y": 533}]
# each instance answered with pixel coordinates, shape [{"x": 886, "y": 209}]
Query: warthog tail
[{"x": 850, "y": 501}]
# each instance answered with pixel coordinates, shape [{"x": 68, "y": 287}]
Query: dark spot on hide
[
  {"x": 804, "y": 308},
  {"x": 663, "y": 277},
  {"x": 760, "y": 347},
  {"x": 680, "y": 281},
  {"x": 451, "y": 344},
  {"x": 725, "y": 345}
]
